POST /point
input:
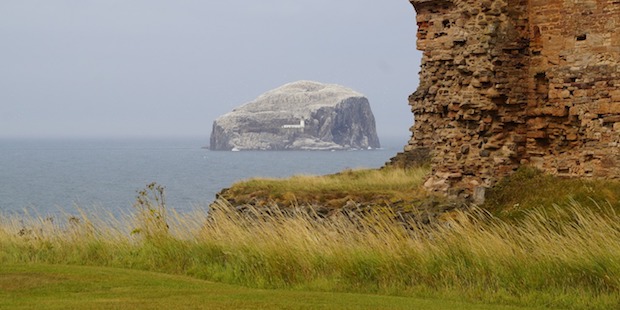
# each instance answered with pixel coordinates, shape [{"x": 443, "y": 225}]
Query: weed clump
[{"x": 151, "y": 215}]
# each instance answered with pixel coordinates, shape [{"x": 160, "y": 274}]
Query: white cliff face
[{"x": 303, "y": 115}]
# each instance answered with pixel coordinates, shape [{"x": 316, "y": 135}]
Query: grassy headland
[
  {"x": 564, "y": 254},
  {"x": 375, "y": 187}
]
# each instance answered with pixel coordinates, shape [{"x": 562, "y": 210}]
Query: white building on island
[{"x": 302, "y": 125}]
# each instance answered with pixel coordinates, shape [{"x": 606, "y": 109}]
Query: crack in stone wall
[{"x": 505, "y": 83}]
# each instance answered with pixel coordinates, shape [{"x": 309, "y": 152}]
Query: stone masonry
[{"x": 506, "y": 83}]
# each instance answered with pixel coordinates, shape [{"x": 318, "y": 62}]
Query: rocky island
[{"x": 303, "y": 115}]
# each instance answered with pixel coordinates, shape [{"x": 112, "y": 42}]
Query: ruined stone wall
[
  {"x": 510, "y": 82},
  {"x": 574, "y": 109}
]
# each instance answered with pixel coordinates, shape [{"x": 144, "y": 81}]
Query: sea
[{"x": 48, "y": 177}]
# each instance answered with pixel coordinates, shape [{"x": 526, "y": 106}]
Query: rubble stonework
[{"x": 505, "y": 83}]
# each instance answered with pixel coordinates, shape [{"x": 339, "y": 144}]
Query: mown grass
[
  {"x": 39, "y": 286},
  {"x": 560, "y": 255}
]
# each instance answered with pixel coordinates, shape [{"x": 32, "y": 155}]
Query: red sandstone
[{"x": 505, "y": 83}]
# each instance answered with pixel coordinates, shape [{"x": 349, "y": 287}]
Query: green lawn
[{"x": 76, "y": 287}]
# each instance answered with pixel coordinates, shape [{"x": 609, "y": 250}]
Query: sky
[{"x": 155, "y": 68}]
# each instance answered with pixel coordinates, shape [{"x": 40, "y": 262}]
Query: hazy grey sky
[{"x": 84, "y": 68}]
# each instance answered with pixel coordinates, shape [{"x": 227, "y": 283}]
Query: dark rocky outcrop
[{"x": 302, "y": 115}]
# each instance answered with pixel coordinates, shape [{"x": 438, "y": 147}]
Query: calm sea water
[{"x": 50, "y": 176}]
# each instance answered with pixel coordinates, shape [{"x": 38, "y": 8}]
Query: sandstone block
[
  {"x": 609, "y": 108},
  {"x": 539, "y": 134}
]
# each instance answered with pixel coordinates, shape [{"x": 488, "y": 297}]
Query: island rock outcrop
[{"x": 303, "y": 115}]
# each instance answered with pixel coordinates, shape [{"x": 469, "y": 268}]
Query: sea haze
[{"x": 49, "y": 176}]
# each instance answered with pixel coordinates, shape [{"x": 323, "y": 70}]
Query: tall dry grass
[{"x": 568, "y": 257}]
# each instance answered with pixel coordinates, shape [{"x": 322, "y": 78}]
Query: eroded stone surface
[{"x": 512, "y": 82}]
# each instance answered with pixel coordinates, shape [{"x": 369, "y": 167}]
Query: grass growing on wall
[{"x": 530, "y": 189}]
